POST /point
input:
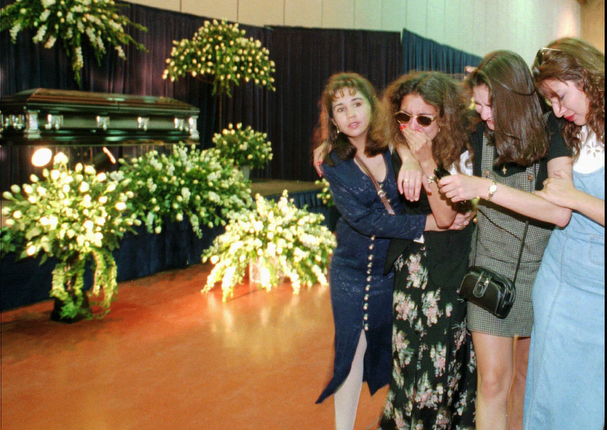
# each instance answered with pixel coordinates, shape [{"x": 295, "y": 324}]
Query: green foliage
[
  {"x": 72, "y": 215},
  {"x": 188, "y": 183},
  {"x": 71, "y": 21},
  {"x": 220, "y": 54},
  {"x": 325, "y": 194},
  {"x": 284, "y": 240},
  {"x": 245, "y": 147}
]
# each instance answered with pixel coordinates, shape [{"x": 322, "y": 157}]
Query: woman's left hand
[
  {"x": 558, "y": 189},
  {"x": 459, "y": 188},
  {"x": 462, "y": 220}
]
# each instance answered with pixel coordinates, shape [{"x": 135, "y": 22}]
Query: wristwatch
[{"x": 492, "y": 190}]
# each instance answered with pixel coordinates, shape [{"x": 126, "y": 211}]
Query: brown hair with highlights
[
  {"x": 451, "y": 102},
  {"x": 570, "y": 59},
  {"x": 326, "y": 133},
  {"x": 521, "y": 134}
]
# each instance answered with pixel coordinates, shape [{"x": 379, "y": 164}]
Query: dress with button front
[{"x": 361, "y": 295}]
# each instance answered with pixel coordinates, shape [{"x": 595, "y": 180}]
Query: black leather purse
[{"x": 490, "y": 290}]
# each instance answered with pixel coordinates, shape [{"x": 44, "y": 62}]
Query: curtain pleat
[{"x": 420, "y": 53}]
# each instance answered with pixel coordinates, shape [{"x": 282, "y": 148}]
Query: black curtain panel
[
  {"x": 420, "y": 53},
  {"x": 305, "y": 59}
]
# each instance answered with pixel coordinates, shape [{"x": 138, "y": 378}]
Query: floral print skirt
[{"x": 433, "y": 383}]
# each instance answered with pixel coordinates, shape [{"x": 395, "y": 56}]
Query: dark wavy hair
[
  {"x": 521, "y": 135},
  {"x": 451, "y": 102},
  {"x": 326, "y": 131},
  {"x": 570, "y": 59}
]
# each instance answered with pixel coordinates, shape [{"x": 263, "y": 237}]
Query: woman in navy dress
[{"x": 351, "y": 125}]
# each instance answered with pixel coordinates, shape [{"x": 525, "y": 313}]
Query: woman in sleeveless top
[
  {"x": 519, "y": 150},
  {"x": 566, "y": 376}
]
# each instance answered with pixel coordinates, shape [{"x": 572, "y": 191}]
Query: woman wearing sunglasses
[
  {"x": 351, "y": 132},
  {"x": 433, "y": 380},
  {"x": 566, "y": 378},
  {"x": 520, "y": 149}
]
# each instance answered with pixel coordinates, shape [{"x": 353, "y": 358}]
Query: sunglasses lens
[
  {"x": 424, "y": 121},
  {"x": 402, "y": 117}
]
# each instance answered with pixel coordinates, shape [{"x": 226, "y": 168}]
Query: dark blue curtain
[
  {"x": 420, "y": 53},
  {"x": 305, "y": 59}
]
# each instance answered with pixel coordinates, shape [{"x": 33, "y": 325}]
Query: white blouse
[{"x": 592, "y": 153}]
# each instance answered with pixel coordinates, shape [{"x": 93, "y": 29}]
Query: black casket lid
[{"x": 49, "y": 100}]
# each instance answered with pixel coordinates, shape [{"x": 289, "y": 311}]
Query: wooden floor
[{"x": 170, "y": 357}]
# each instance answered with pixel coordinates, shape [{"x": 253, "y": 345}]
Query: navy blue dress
[{"x": 361, "y": 295}]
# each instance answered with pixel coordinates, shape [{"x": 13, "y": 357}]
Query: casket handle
[{"x": 103, "y": 122}]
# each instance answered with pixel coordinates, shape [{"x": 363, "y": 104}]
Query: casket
[
  {"x": 84, "y": 125},
  {"x": 78, "y": 117}
]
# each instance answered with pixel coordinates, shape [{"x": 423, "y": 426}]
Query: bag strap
[
  {"x": 520, "y": 252},
  {"x": 381, "y": 193}
]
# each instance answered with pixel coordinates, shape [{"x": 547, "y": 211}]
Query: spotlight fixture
[{"x": 42, "y": 157}]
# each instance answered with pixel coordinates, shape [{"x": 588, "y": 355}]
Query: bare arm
[
  {"x": 410, "y": 175},
  {"x": 463, "y": 187},
  {"x": 560, "y": 190}
]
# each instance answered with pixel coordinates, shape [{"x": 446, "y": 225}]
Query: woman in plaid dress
[{"x": 520, "y": 149}]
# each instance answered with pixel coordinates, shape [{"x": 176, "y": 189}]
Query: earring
[{"x": 338, "y": 130}]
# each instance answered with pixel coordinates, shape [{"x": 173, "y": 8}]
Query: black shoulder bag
[{"x": 488, "y": 289}]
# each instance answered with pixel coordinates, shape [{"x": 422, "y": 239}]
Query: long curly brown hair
[
  {"x": 521, "y": 135},
  {"x": 570, "y": 59},
  {"x": 451, "y": 102},
  {"x": 326, "y": 132}
]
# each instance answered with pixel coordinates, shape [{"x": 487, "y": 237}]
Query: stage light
[{"x": 42, "y": 157}]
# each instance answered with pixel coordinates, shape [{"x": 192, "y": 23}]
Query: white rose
[{"x": 60, "y": 158}]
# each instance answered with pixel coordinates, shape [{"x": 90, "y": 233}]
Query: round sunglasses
[{"x": 405, "y": 118}]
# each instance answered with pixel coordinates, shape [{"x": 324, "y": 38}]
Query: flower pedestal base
[
  {"x": 58, "y": 304},
  {"x": 246, "y": 172},
  {"x": 260, "y": 275}
]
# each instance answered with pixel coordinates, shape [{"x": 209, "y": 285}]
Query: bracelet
[
  {"x": 492, "y": 190},
  {"x": 431, "y": 179}
]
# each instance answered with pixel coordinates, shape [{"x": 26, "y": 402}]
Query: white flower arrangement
[
  {"x": 71, "y": 21},
  {"x": 284, "y": 240},
  {"x": 71, "y": 215},
  {"x": 220, "y": 54},
  {"x": 188, "y": 182},
  {"x": 325, "y": 194},
  {"x": 245, "y": 147}
]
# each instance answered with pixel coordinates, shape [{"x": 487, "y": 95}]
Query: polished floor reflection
[{"x": 169, "y": 357}]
